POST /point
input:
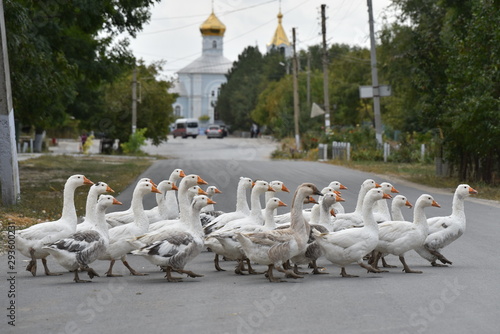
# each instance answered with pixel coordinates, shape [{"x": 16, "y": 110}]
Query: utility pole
[
  {"x": 376, "y": 87},
  {"x": 296, "y": 111},
  {"x": 134, "y": 100},
  {"x": 308, "y": 79},
  {"x": 9, "y": 172},
  {"x": 326, "y": 97}
]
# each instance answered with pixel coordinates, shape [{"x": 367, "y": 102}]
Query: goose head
[
  {"x": 191, "y": 180},
  {"x": 142, "y": 188},
  {"x": 246, "y": 182},
  {"x": 105, "y": 201},
  {"x": 200, "y": 201},
  {"x": 388, "y": 188},
  {"x": 78, "y": 180},
  {"x": 426, "y": 200},
  {"x": 336, "y": 185},
  {"x": 464, "y": 190},
  {"x": 177, "y": 174},
  {"x": 101, "y": 188},
  {"x": 166, "y": 185},
  {"x": 400, "y": 201},
  {"x": 212, "y": 190},
  {"x": 261, "y": 186},
  {"x": 278, "y": 186},
  {"x": 274, "y": 203}
]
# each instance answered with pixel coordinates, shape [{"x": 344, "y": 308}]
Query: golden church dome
[
  {"x": 279, "y": 37},
  {"x": 213, "y": 26}
]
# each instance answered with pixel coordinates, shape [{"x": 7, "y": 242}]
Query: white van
[{"x": 185, "y": 127}]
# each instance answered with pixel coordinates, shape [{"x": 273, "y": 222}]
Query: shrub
[{"x": 135, "y": 141}]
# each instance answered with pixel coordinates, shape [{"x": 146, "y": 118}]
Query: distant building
[
  {"x": 280, "y": 41},
  {"x": 198, "y": 84}
]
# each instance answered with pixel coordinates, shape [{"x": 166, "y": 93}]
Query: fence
[{"x": 341, "y": 150}]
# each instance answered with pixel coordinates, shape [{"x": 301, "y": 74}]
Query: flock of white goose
[{"x": 185, "y": 223}]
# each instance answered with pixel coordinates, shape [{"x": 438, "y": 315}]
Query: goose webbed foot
[
  {"x": 291, "y": 274},
  {"x": 78, "y": 280},
  {"x": 386, "y": 265},
  {"x": 297, "y": 272},
  {"x": 317, "y": 270},
  {"x": 407, "y": 269},
  {"x": 270, "y": 275},
  {"x": 439, "y": 256},
  {"x": 46, "y": 268},
  {"x": 132, "y": 270},
  {"x": 370, "y": 269},
  {"x": 435, "y": 264},
  {"x": 188, "y": 272},
  {"x": 169, "y": 276},
  {"x": 31, "y": 267},
  {"x": 240, "y": 268},
  {"x": 216, "y": 263},
  {"x": 251, "y": 271},
  {"x": 109, "y": 273},
  {"x": 343, "y": 273}
]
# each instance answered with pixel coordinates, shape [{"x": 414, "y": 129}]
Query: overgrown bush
[{"x": 135, "y": 141}]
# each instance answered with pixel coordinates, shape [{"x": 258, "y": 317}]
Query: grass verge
[{"x": 42, "y": 182}]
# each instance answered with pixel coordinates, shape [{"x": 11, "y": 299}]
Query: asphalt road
[{"x": 462, "y": 298}]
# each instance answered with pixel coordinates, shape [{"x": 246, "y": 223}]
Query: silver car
[{"x": 215, "y": 131}]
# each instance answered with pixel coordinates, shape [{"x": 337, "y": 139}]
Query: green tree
[
  {"x": 64, "y": 52},
  {"x": 154, "y": 111}
]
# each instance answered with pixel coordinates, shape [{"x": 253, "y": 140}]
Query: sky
[{"x": 173, "y": 32}]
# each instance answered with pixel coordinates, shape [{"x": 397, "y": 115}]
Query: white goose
[
  {"x": 350, "y": 245},
  {"x": 90, "y": 209},
  {"x": 337, "y": 186},
  {"x": 399, "y": 237},
  {"x": 381, "y": 211},
  {"x": 355, "y": 218},
  {"x": 211, "y": 192},
  {"x": 228, "y": 247},
  {"x": 275, "y": 247},
  {"x": 182, "y": 244},
  {"x": 80, "y": 249},
  {"x": 31, "y": 240},
  {"x": 160, "y": 212},
  {"x": 118, "y": 236},
  {"x": 127, "y": 216},
  {"x": 313, "y": 251},
  {"x": 171, "y": 197},
  {"x": 189, "y": 193},
  {"x": 242, "y": 208},
  {"x": 444, "y": 230},
  {"x": 277, "y": 187},
  {"x": 397, "y": 203}
]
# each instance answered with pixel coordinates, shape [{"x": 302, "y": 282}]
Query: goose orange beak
[
  {"x": 312, "y": 200},
  {"x": 155, "y": 190},
  {"x": 201, "y": 181},
  {"x": 336, "y": 192},
  {"x": 174, "y": 187},
  {"x": 472, "y": 191},
  {"x": 408, "y": 204},
  {"x": 202, "y": 192},
  {"x": 394, "y": 190},
  {"x": 386, "y": 196},
  {"x": 117, "y": 202},
  {"x": 332, "y": 212},
  {"x": 217, "y": 191},
  {"x": 87, "y": 181},
  {"x": 182, "y": 174},
  {"x": 339, "y": 199},
  {"x": 209, "y": 201},
  {"x": 109, "y": 190},
  {"x": 343, "y": 187},
  {"x": 269, "y": 188},
  {"x": 377, "y": 185},
  {"x": 434, "y": 203},
  {"x": 154, "y": 184},
  {"x": 280, "y": 203},
  {"x": 284, "y": 188}
]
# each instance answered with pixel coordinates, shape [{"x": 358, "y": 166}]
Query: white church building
[{"x": 198, "y": 84}]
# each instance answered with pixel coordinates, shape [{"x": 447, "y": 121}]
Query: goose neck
[
  {"x": 69, "y": 210},
  {"x": 140, "y": 217}
]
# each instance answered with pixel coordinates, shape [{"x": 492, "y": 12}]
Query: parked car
[{"x": 215, "y": 131}]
